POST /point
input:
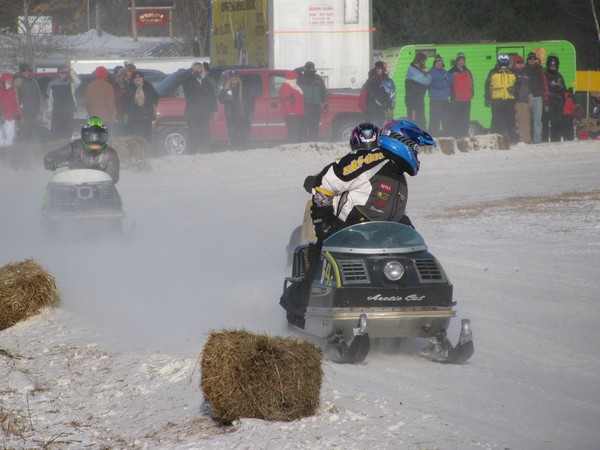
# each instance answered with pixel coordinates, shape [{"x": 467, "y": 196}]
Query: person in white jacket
[{"x": 61, "y": 102}]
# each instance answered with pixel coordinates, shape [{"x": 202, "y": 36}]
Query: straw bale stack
[
  {"x": 25, "y": 289},
  {"x": 258, "y": 376},
  {"x": 133, "y": 151}
]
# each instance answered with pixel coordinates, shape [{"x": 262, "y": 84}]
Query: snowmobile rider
[
  {"x": 89, "y": 152},
  {"x": 367, "y": 184}
]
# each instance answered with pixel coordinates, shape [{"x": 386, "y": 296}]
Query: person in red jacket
[
  {"x": 461, "y": 96},
  {"x": 9, "y": 110},
  {"x": 292, "y": 106},
  {"x": 569, "y": 111}
]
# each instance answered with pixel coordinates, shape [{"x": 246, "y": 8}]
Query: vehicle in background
[
  {"x": 268, "y": 126},
  {"x": 159, "y": 64},
  {"x": 480, "y": 59}
]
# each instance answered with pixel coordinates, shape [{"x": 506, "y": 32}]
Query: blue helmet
[{"x": 404, "y": 140}]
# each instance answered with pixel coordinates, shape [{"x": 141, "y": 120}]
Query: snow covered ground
[{"x": 116, "y": 366}]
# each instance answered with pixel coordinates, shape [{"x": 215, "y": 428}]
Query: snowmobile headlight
[{"x": 393, "y": 270}]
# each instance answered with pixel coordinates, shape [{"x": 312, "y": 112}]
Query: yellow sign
[
  {"x": 588, "y": 81},
  {"x": 239, "y": 33}
]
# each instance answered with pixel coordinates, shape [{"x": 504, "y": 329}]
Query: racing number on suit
[{"x": 327, "y": 277}]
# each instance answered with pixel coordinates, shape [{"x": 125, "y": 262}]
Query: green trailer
[{"x": 480, "y": 59}]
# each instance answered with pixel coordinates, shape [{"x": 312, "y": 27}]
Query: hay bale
[
  {"x": 133, "y": 151},
  {"x": 258, "y": 376},
  {"x": 465, "y": 144},
  {"x": 447, "y": 145},
  {"x": 25, "y": 288},
  {"x": 491, "y": 142}
]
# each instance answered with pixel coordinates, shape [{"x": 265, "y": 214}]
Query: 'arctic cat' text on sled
[
  {"x": 377, "y": 280},
  {"x": 82, "y": 203}
]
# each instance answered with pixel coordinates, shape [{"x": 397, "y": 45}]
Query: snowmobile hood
[
  {"x": 376, "y": 238},
  {"x": 80, "y": 176}
]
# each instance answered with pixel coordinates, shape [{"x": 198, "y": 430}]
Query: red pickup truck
[{"x": 170, "y": 130}]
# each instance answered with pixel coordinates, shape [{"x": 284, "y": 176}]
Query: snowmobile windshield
[{"x": 375, "y": 238}]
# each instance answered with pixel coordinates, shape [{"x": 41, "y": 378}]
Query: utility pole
[
  {"x": 133, "y": 21},
  {"x": 98, "y": 27}
]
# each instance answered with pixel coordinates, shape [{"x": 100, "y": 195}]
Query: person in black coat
[
  {"x": 140, "y": 101},
  {"x": 373, "y": 98},
  {"x": 30, "y": 101},
  {"x": 553, "y": 109},
  {"x": 200, "y": 106},
  {"x": 238, "y": 101}
]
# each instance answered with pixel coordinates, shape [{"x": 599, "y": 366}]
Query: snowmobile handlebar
[{"x": 50, "y": 164}]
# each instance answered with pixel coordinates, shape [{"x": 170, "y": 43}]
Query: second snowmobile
[{"x": 82, "y": 203}]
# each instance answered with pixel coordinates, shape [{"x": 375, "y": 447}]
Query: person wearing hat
[
  {"x": 389, "y": 87},
  {"x": 61, "y": 102},
  {"x": 100, "y": 98},
  {"x": 9, "y": 110},
  {"x": 522, "y": 94},
  {"x": 238, "y": 105},
  {"x": 460, "y": 97},
  {"x": 538, "y": 94},
  {"x": 439, "y": 97},
  {"x": 500, "y": 96},
  {"x": 140, "y": 101},
  {"x": 200, "y": 107},
  {"x": 292, "y": 106},
  {"x": 119, "y": 82},
  {"x": 553, "y": 109},
  {"x": 29, "y": 97},
  {"x": 373, "y": 99},
  {"x": 315, "y": 100},
  {"x": 416, "y": 83}
]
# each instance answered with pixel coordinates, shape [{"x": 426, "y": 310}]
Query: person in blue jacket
[
  {"x": 440, "y": 90},
  {"x": 416, "y": 82}
]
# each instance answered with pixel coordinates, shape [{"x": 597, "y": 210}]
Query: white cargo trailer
[{"x": 283, "y": 34}]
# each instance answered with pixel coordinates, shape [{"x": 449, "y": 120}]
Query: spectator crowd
[{"x": 529, "y": 102}]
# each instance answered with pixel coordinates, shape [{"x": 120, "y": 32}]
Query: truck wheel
[
  {"x": 172, "y": 141},
  {"x": 343, "y": 130}
]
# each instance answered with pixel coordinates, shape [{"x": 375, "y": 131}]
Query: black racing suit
[{"x": 360, "y": 187}]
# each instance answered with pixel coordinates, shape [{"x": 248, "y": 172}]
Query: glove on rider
[{"x": 324, "y": 221}]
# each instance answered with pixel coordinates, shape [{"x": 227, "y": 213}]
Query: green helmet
[{"x": 94, "y": 135}]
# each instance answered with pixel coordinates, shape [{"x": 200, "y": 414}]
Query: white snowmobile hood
[{"x": 80, "y": 176}]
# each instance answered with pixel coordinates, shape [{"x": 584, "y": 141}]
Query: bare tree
[
  {"x": 23, "y": 40},
  {"x": 195, "y": 18},
  {"x": 595, "y": 20}
]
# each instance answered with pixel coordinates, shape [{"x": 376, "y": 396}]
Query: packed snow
[{"x": 116, "y": 366}]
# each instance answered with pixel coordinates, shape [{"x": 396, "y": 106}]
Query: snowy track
[{"x": 517, "y": 231}]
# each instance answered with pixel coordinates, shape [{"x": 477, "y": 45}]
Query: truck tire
[
  {"x": 343, "y": 128},
  {"x": 172, "y": 140}
]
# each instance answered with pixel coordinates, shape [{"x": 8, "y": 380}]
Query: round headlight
[{"x": 393, "y": 270}]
